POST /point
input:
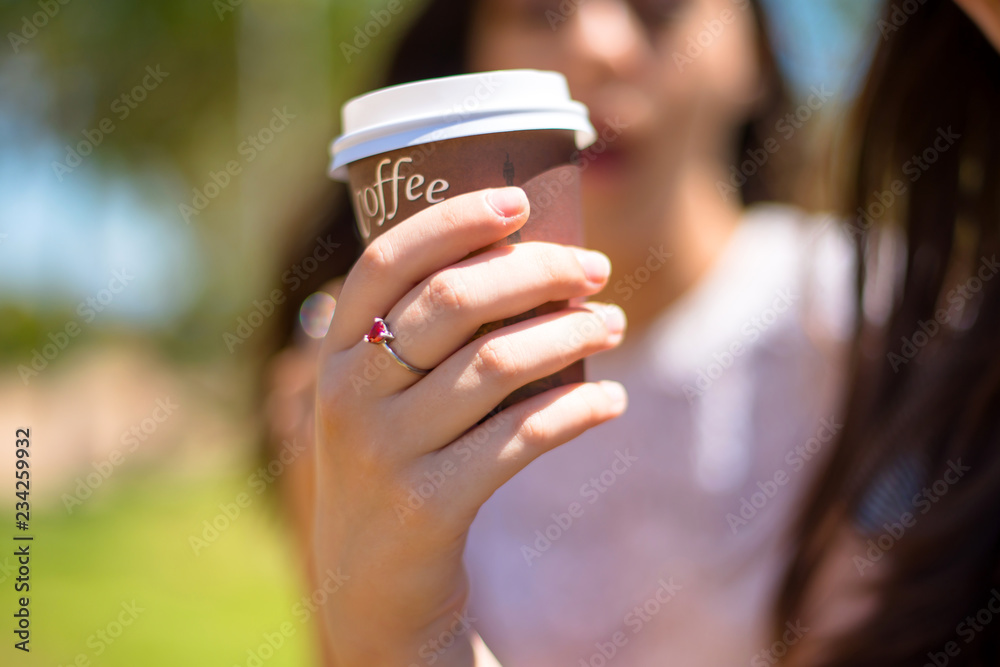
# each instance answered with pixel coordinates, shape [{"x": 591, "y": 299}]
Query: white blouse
[{"x": 657, "y": 539}]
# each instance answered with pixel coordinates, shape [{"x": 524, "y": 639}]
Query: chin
[{"x": 604, "y": 188}]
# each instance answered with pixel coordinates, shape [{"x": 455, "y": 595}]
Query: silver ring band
[
  {"x": 399, "y": 360},
  {"x": 381, "y": 335}
]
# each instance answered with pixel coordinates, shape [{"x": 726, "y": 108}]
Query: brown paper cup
[{"x": 391, "y": 186}]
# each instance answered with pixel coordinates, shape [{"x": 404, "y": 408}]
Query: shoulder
[
  {"x": 817, "y": 258},
  {"x": 785, "y": 280}
]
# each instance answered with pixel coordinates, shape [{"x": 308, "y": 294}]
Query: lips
[
  {"x": 612, "y": 158},
  {"x": 610, "y": 152}
]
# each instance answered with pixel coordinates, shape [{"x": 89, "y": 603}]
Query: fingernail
[
  {"x": 596, "y": 265},
  {"x": 616, "y": 394},
  {"x": 508, "y": 202},
  {"x": 614, "y": 319}
]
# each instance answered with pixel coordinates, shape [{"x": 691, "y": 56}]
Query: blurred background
[{"x": 157, "y": 159}]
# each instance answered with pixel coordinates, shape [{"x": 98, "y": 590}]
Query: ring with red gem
[{"x": 380, "y": 335}]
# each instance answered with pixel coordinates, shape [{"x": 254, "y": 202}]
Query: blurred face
[
  {"x": 986, "y": 13},
  {"x": 667, "y": 82}
]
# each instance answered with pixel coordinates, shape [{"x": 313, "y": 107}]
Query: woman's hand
[{"x": 400, "y": 475}]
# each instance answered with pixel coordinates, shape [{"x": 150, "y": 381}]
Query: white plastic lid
[{"x": 457, "y": 106}]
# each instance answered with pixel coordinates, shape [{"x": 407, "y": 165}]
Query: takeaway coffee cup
[{"x": 408, "y": 147}]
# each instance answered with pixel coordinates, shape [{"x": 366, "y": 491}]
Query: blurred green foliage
[
  {"x": 91, "y": 54},
  {"x": 230, "y": 63},
  {"x": 130, "y": 544}
]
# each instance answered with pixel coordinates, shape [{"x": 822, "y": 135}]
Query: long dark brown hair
[
  {"x": 924, "y": 393},
  {"x": 436, "y": 45}
]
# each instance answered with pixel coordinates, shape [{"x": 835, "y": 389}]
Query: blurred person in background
[
  {"x": 896, "y": 556},
  {"x": 737, "y": 311}
]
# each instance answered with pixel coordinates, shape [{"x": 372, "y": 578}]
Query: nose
[{"x": 607, "y": 41}]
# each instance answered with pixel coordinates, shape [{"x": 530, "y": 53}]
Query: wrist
[
  {"x": 411, "y": 652},
  {"x": 363, "y": 636}
]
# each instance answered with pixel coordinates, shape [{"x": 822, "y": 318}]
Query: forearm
[
  {"x": 438, "y": 646},
  {"x": 479, "y": 655}
]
